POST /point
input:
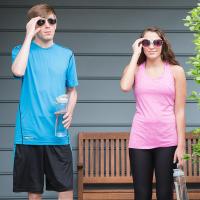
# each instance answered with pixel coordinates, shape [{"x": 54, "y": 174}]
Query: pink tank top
[{"x": 154, "y": 123}]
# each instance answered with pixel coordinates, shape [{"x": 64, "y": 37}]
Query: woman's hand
[
  {"x": 178, "y": 155},
  {"x": 137, "y": 46}
]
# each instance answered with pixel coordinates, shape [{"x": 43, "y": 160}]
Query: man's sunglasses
[
  {"x": 157, "y": 43},
  {"x": 41, "y": 22}
]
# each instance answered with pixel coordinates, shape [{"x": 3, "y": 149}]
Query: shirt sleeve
[
  {"x": 15, "y": 52},
  {"x": 71, "y": 75}
]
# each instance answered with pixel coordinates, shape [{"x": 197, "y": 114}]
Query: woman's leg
[
  {"x": 164, "y": 172},
  {"x": 141, "y": 161}
]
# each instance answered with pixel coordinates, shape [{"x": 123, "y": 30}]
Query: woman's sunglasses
[
  {"x": 41, "y": 22},
  {"x": 157, "y": 43}
]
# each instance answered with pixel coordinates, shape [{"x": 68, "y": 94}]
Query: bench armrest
[{"x": 80, "y": 166}]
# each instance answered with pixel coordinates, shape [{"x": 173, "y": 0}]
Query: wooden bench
[{"x": 104, "y": 170}]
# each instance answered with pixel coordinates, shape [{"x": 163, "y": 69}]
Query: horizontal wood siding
[{"x": 100, "y": 32}]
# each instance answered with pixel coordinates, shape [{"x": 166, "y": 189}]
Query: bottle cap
[
  {"x": 62, "y": 98},
  {"x": 178, "y": 172}
]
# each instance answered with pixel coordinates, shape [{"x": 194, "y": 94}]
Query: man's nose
[{"x": 47, "y": 24}]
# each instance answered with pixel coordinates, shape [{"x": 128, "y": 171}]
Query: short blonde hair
[{"x": 42, "y": 10}]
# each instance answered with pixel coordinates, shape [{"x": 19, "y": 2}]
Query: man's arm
[
  {"x": 71, "y": 105},
  {"x": 19, "y": 65}
]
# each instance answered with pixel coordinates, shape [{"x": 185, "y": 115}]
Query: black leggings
[{"x": 143, "y": 163}]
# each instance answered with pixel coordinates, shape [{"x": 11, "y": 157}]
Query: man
[{"x": 47, "y": 70}]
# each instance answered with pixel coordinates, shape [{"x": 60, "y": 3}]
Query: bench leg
[{"x": 80, "y": 184}]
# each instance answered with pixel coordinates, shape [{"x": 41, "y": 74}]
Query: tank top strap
[
  {"x": 142, "y": 67},
  {"x": 166, "y": 65},
  {"x": 167, "y": 68}
]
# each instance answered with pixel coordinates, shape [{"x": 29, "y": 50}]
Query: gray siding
[{"x": 100, "y": 33}]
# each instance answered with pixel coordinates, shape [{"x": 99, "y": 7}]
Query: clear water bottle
[
  {"x": 180, "y": 184},
  {"x": 61, "y": 109}
]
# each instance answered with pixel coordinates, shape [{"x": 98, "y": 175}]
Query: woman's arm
[
  {"x": 127, "y": 79},
  {"x": 180, "y": 98}
]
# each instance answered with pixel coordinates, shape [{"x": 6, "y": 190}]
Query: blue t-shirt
[{"x": 48, "y": 73}]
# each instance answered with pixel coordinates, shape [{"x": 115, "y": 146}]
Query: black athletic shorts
[{"x": 32, "y": 162}]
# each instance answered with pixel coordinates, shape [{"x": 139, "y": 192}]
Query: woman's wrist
[
  {"x": 181, "y": 145},
  {"x": 134, "y": 59},
  {"x": 136, "y": 54}
]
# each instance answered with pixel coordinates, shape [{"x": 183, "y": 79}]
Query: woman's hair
[
  {"x": 167, "y": 55},
  {"x": 42, "y": 10}
]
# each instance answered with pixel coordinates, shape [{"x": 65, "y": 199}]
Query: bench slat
[
  {"x": 102, "y": 157},
  {"x": 128, "y": 171},
  {"x": 189, "y": 161},
  {"x": 91, "y": 158},
  {"x": 97, "y": 163},
  {"x": 117, "y": 157},
  {"x": 107, "y": 158},
  {"x": 122, "y": 158},
  {"x": 127, "y": 194},
  {"x": 195, "y": 164},
  {"x": 86, "y": 158},
  {"x": 112, "y": 158}
]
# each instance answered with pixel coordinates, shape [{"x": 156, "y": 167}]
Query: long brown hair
[{"x": 167, "y": 55}]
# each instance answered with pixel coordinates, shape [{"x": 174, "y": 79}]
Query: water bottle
[
  {"x": 61, "y": 109},
  {"x": 180, "y": 184}
]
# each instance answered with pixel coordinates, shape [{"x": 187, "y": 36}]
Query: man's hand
[
  {"x": 31, "y": 29},
  {"x": 67, "y": 119}
]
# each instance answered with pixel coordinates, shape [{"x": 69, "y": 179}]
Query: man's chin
[{"x": 47, "y": 39}]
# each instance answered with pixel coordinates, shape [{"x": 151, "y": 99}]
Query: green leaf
[
  {"x": 191, "y": 28},
  {"x": 188, "y": 18},
  {"x": 196, "y": 131},
  {"x": 186, "y": 156},
  {"x": 186, "y": 24}
]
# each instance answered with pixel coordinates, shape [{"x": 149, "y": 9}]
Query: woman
[{"x": 157, "y": 139}]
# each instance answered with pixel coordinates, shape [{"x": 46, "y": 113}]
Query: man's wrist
[
  {"x": 70, "y": 111},
  {"x": 28, "y": 38}
]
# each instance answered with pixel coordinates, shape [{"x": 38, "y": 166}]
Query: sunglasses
[
  {"x": 41, "y": 22},
  {"x": 157, "y": 43}
]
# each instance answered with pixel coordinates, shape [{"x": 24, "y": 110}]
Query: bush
[{"x": 192, "y": 21}]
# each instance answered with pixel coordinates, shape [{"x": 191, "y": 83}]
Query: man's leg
[
  {"x": 59, "y": 170},
  {"x": 28, "y": 172},
  {"x": 65, "y": 195},
  {"x": 34, "y": 196}
]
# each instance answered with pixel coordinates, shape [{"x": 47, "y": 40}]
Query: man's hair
[{"x": 42, "y": 10}]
